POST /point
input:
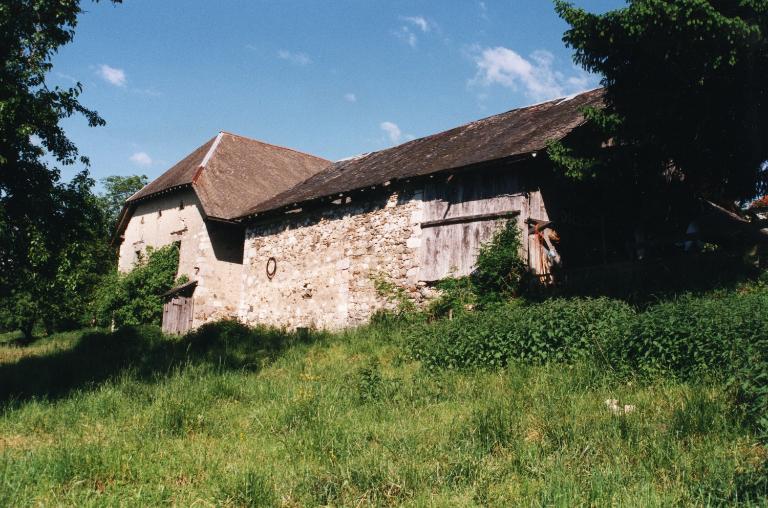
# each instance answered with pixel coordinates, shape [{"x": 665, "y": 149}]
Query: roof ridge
[
  {"x": 555, "y": 101},
  {"x": 521, "y": 131},
  {"x": 207, "y": 157},
  {"x": 211, "y": 150},
  {"x": 275, "y": 146}
]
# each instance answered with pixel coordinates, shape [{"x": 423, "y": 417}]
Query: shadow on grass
[{"x": 147, "y": 353}]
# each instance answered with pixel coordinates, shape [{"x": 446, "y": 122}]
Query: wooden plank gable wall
[{"x": 461, "y": 213}]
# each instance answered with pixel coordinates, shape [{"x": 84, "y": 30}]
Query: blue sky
[{"x": 333, "y": 79}]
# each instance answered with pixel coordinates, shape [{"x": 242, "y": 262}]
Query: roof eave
[{"x": 512, "y": 159}]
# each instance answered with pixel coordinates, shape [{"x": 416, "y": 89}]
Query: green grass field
[{"x": 348, "y": 420}]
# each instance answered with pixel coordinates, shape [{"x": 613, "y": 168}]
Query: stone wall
[
  {"x": 209, "y": 253},
  {"x": 327, "y": 259},
  {"x": 160, "y": 221},
  {"x": 327, "y": 263},
  {"x": 218, "y": 268}
]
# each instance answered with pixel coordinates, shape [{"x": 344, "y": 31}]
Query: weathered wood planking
[
  {"x": 177, "y": 315},
  {"x": 451, "y": 249},
  {"x": 537, "y": 258}
]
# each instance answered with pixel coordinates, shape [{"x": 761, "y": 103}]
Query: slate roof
[
  {"x": 514, "y": 133},
  {"x": 231, "y": 174}
]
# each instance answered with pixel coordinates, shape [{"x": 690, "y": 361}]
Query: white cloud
[
  {"x": 418, "y": 21},
  {"x": 112, "y": 75},
  {"x": 141, "y": 159},
  {"x": 393, "y": 132},
  {"x": 406, "y": 35},
  {"x": 535, "y": 76},
  {"x": 294, "y": 58},
  {"x": 350, "y": 97},
  {"x": 483, "y": 10}
]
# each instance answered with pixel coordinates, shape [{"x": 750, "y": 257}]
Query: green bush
[
  {"x": 500, "y": 269},
  {"x": 498, "y": 276},
  {"x": 750, "y": 383},
  {"x": 698, "y": 335},
  {"x": 711, "y": 334},
  {"x": 136, "y": 297},
  {"x": 555, "y": 330},
  {"x": 722, "y": 336},
  {"x": 456, "y": 295}
]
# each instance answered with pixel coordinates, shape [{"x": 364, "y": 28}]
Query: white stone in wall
[{"x": 413, "y": 243}]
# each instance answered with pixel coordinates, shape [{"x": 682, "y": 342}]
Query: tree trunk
[{"x": 26, "y": 329}]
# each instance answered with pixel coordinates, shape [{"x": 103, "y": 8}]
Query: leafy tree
[
  {"x": 64, "y": 263},
  {"x": 46, "y": 226},
  {"x": 117, "y": 189},
  {"x": 686, "y": 95}
]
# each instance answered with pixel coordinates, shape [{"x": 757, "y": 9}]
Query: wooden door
[
  {"x": 460, "y": 215},
  {"x": 177, "y": 314}
]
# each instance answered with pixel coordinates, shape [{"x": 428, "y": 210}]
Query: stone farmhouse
[
  {"x": 274, "y": 236},
  {"x": 197, "y": 203}
]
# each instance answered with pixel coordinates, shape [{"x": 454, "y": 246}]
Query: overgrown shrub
[
  {"x": 555, "y": 330},
  {"x": 368, "y": 381},
  {"x": 721, "y": 335},
  {"x": 456, "y": 295},
  {"x": 135, "y": 298},
  {"x": 499, "y": 268},
  {"x": 750, "y": 383},
  {"x": 498, "y": 276},
  {"x": 694, "y": 335}
]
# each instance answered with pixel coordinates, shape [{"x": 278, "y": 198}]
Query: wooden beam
[{"x": 469, "y": 218}]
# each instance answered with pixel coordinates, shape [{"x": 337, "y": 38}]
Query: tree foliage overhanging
[
  {"x": 51, "y": 240},
  {"x": 686, "y": 93},
  {"x": 117, "y": 189}
]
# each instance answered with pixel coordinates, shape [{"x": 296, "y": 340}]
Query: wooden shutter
[{"x": 460, "y": 214}]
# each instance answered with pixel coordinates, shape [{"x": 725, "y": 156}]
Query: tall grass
[{"x": 234, "y": 417}]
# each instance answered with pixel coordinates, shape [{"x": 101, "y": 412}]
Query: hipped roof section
[
  {"x": 231, "y": 173},
  {"x": 515, "y": 133}
]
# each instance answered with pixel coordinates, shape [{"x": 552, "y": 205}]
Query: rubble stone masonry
[
  {"x": 177, "y": 217},
  {"x": 326, "y": 263}
]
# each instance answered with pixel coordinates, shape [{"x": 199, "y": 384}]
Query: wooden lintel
[
  {"x": 470, "y": 218},
  {"x": 539, "y": 222}
]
